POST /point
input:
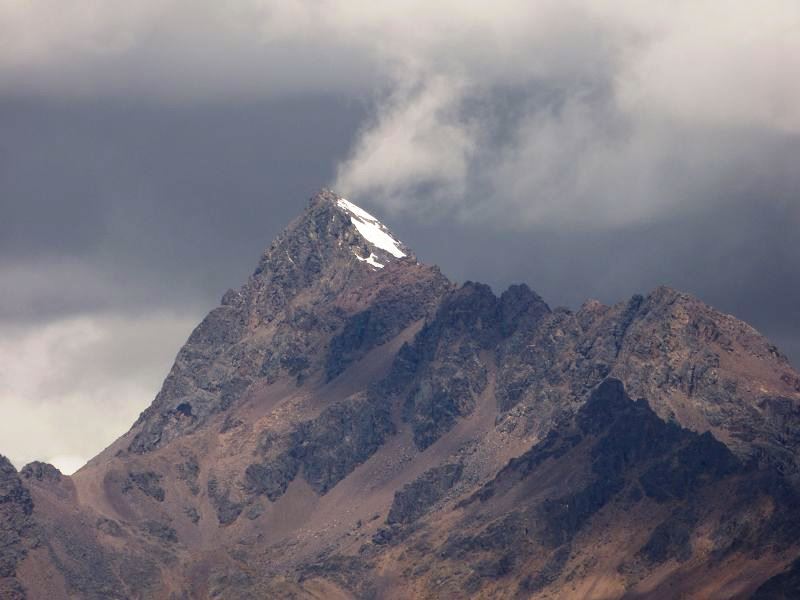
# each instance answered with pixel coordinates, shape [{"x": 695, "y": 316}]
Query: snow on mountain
[{"x": 372, "y": 230}]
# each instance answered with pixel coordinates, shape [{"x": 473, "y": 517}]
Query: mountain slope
[{"x": 349, "y": 423}]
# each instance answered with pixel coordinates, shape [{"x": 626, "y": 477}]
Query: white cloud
[
  {"x": 70, "y": 387},
  {"x": 419, "y": 138},
  {"x": 602, "y": 114},
  {"x": 717, "y": 62}
]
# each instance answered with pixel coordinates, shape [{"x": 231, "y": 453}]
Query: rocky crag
[{"x": 351, "y": 424}]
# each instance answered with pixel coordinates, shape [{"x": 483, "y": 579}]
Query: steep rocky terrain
[
  {"x": 350, "y": 424},
  {"x": 16, "y": 526}
]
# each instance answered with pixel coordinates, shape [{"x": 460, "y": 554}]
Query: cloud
[
  {"x": 57, "y": 286},
  {"x": 569, "y": 113},
  {"x": 417, "y": 140},
  {"x": 67, "y": 464},
  {"x": 175, "y": 50},
  {"x": 70, "y": 387},
  {"x": 599, "y": 115},
  {"x": 716, "y": 63}
]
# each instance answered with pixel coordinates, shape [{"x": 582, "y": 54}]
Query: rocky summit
[{"x": 351, "y": 424}]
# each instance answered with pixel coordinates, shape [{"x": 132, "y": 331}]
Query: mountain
[{"x": 351, "y": 424}]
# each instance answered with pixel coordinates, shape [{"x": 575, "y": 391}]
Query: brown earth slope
[{"x": 349, "y": 424}]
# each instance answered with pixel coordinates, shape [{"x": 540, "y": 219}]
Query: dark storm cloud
[
  {"x": 151, "y": 150},
  {"x": 110, "y": 204}
]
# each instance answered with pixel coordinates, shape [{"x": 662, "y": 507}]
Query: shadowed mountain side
[{"x": 614, "y": 503}]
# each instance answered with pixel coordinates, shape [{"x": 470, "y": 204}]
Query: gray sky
[{"x": 149, "y": 152}]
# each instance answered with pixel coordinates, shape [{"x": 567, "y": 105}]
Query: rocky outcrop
[
  {"x": 464, "y": 324},
  {"x": 417, "y": 497},
  {"x": 228, "y": 510},
  {"x": 160, "y": 531},
  {"x": 188, "y": 472},
  {"x": 41, "y": 471},
  {"x": 671, "y": 539},
  {"x": 16, "y": 508},
  {"x": 447, "y": 366},
  {"x": 273, "y": 475},
  {"x": 327, "y": 448},
  {"x": 704, "y": 369},
  {"x": 148, "y": 482},
  {"x": 621, "y": 455},
  {"x": 394, "y": 308},
  {"x": 342, "y": 437},
  {"x": 711, "y": 371}
]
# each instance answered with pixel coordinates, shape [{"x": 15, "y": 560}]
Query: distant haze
[{"x": 151, "y": 150}]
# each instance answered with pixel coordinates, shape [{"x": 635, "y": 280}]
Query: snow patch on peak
[
  {"x": 355, "y": 210},
  {"x": 371, "y": 229},
  {"x": 370, "y": 260}
]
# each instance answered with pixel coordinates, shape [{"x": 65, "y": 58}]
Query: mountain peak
[
  {"x": 382, "y": 245},
  {"x": 349, "y": 415},
  {"x": 319, "y": 299}
]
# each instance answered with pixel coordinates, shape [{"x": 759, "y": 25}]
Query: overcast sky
[{"x": 150, "y": 151}]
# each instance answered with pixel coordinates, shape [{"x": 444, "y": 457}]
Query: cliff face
[
  {"x": 15, "y": 528},
  {"x": 703, "y": 369},
  {"x": 322, "y": 296},
  {"x": 349, "y": 423}
]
